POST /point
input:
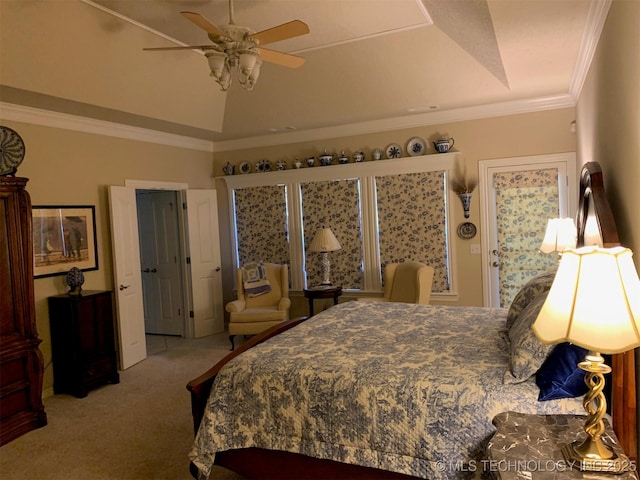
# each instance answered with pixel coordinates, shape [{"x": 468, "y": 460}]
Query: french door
[{"x": 518, "y": 196}]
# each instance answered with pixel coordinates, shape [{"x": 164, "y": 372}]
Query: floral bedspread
[{"x": 400, "y": 387}]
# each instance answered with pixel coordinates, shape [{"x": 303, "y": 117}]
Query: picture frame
[{"x": 64, "y": 236}]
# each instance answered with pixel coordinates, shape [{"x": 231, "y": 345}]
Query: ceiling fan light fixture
[
  {"x": 247, "y": 60},
  {"x": 216, "y": 62},
  {"x": 255, "y": 72}
]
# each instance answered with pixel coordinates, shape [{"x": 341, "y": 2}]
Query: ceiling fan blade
[
  {"x": 280, "y": 58},
  {"x": 290, "y": 29},
  {"x": 189, "y": 47},
  {"x": 204, "y": 24}
]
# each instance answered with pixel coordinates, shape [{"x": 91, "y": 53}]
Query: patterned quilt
[{"x": 400, "y": 387}]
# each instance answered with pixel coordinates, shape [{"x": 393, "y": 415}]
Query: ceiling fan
[{"x": 240, "y": 48}]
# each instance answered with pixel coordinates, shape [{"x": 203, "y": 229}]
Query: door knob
[
  {"x": 123, "y": 287},
  {"x": 217, "y": 269},
  {"x": 494, "y": 252},
  {"x": 495, "y": 264}
]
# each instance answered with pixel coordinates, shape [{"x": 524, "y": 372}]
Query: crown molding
[
  {"x": 37, "y": 116},
  {"x": 596, "y": 18},
  {"x": 48, "y": 118},
  {"x": 398, "y": 123}
]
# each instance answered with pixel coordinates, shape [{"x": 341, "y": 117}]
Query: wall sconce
[
  {"x": 466, "y": 203},
  {"x": 463, "y": 187}
]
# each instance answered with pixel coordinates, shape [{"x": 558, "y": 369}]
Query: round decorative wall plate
[
  {"x": 393, "y": 151},
  {"x": 11, "y": 151},
  {"x": 416, "y": 146},
  {"x": 467, "y": 230},
  {"x": 245, "y": 167}
]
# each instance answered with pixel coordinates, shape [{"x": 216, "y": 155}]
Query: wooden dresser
[
  {"x": 21, "y": 366},
  {"x": 82, "y": 340}
]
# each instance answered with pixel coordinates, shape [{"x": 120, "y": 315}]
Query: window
[
  {"x": 334, "y": 204},
  {"x": 412, "y": 222},
  {"x": 380, "y": 211},
  {"x": 261, "y": 224}
]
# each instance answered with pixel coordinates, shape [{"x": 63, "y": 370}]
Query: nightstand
[
  {"x": 529, "y": 447},
  {"x": 322, "y": 291},
  {"x": 82, "y": 342}
]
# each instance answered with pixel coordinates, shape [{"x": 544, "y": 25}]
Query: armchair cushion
[{"x": 255, "y": 280}]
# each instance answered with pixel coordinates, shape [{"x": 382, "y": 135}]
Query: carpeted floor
[{"x": 138, "y": 429}]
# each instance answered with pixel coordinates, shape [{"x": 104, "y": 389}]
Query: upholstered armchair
[
  {"x": 406, "y": 282},
  {"x": 249, "y": 314}
]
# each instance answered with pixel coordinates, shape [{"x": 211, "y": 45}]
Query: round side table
[{"x": 322, "y": 291}]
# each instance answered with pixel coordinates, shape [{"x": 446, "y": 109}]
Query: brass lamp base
[{"x": 594, "y": 456}]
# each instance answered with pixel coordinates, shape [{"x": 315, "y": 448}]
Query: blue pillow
[{"x": 559, "y": 376}]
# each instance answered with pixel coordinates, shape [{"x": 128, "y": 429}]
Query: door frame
[
  {"x": 485, "y": 191},
  {"x": 179, "y": 188}
]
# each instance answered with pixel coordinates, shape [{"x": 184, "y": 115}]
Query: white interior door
[
  {"x": 518, "y": 196},
  {"x": 204, "y": 252},
  {"x": 126, "y": 271}
]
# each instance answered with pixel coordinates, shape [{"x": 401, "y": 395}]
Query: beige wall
[
  {"x": 608, "y": 120},
  {"x": 500, "y": 137},
  {"x": 72, "y": 168}
]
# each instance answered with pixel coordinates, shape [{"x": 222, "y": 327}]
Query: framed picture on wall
[{"x": 63, "y": 237}]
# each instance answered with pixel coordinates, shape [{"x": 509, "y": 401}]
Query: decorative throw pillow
[
  {"x": 559, "y": 376},
  {"x": 527, "y": 352},
  {"x": 532, "y": 289},
  {"x": 254, "y": 278}
]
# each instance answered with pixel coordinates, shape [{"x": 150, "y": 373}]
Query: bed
[{"x": 386, "y": 390}]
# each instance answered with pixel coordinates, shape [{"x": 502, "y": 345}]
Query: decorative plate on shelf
[
  {"x": 266, "y": 165},
  {"x": 393, "y": 151},
  {"x": 11, "y": 151},
  {"x": 245, "y": 167},
  {"x": 467, "y": 230},
  {"x": 416, "y": 146}
]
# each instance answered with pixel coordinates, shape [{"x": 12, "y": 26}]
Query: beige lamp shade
[
  {"x": 559, "y": 235},
  {"x": 594, "y": 301},
  {"x": 324, "y": 241}
]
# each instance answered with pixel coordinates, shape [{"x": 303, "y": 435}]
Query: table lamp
[
  {"x": 594, "y": 302},
  {"x": 325, "y": 241},
  {"x": 559, "y": 235}
]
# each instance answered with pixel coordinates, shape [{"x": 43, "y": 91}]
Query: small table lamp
[
  {"x": 560, "y": 235},
  {"x": 325, "y": 241},
  {"x": 594, "y": 302}
]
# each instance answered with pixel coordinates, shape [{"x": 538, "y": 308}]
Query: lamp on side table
[{"x": 594, "y": 302}]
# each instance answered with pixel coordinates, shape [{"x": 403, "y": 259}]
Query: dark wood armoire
[{"x": 21, "y": 365}]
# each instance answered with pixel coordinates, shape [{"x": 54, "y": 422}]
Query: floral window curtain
[
  {"x": 334, "y": 204},
  {"x": 261, "y": 224},
  {"x": 412, "y": 222},
  {"x": 525, "y": 201}
]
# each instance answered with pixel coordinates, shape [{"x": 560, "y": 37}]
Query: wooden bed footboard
[{"x": 201, "y": 386}]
